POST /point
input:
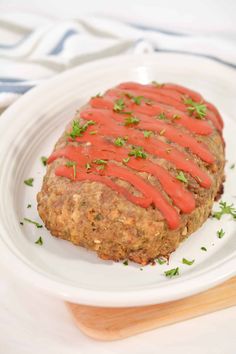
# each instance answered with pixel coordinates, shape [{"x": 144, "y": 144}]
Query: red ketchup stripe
[
  {"x": 151, "y": 194},
  {"x": 64, "y": 171},
  {"x": 173, "y": 134},
  {"x": 144, "y": 90},
  {"x": 107, "y": 151},
  {"x": 151, "y": 145},
  {"x": 192, "y": 124},
  {"x": 197, "y": 97}
]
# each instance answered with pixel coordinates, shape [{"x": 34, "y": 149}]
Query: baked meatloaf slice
[{"x": 136, "y": 171}]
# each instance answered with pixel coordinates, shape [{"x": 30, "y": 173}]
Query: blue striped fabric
[{"x": 43, "y": 52}]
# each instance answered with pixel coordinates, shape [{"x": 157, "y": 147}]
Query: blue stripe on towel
[
  {"x": 59, "y": 46},
  {"x": 15, "y": 89},
  {"x": 10, "y": 80}
]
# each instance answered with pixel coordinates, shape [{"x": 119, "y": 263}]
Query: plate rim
[{"x": 98, "y": 297}]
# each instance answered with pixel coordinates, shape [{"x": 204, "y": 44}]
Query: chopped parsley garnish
[
  {"x": 129, "y": 95},
  {"x": 44, "y": 160},
  {"x": 138, "y": 152},
  {"x": 29, "y": 206},
  {"x": 101, "y": 167},
  {"x": 78, "y": 130},
  {"x": 137, "y": 99},
  {"x": 157, "y": 84},
  {"x": 161, "y": 116},
  {"x": 34, "y": 222},
  {"x": 126, "y": 262},
  {"x": 225, "y": 209},
  {"x": 72, "y": 164},
  {"x": 29, "y": 182},
  {"x": 147, "y": 133},
  {"x": 87, "y": 166},
  {"x": 161, "y": 260},
  {"x": 172, "y": 272},
  {"x": 186, "y": 261},
  {"x": 131, "y": 120},
  {"x": 102, "y": 164},
  {"x": 119, "y": 105},
  {"x": 93, "y": 132},
  {"x": 98, "y": 95},
  {"x": 220, "y": 233},
  {"x": 126, "y": 160},
  {"x": 39, "y": 241},
  {"x": 181, "y": 177},
  {"x": 176, "y": 116},
  {"x": 204, "y": 248},
  {"x": 195, "y": 107},
  {"x": 119, "y": 141},
  {"x": 232, "y": 166}
]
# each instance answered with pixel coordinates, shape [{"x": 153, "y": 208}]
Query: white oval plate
[{"x": 29, "y": 130}]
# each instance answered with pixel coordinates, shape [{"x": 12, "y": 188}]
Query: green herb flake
[
  {"x": 172, "y": 272},
  {"x": 186, "y": 261},
  {"x": 225, "y": 209},
  {"x": 157, "y": 84},
  {"x": 204, "y": 248},
  {"x": 176, "y": 116},
  {"x": 131, "y": 120},
  {"x": 138, "y": 152},
  {"x": 119, "y": 105},
  {"x": 161, "y": 116},
  {"x": 29, "y": 206},
  {"x": 39, "y": 226},
  {"x": 140, "y": 268},
  {"x": 78, "y": 129},
  {"x": 232, "y": 166},
  {"x": 126, "y": 262},
  {"x": 39, "y": 241},
  {"x": 98, "y": 95},
  {"x": 127, "y": 94},
  {"x": 137, "y": 99},
  {"x": 161, "y": 260},
  {"x": 72, "y": 164},
  {"x": 126, "y": 160},
  {"x": 119, "y": 141},
  {"x": 87, "y": 166},
  {"x": 101, "y": 167},
  {"x": 29, "y": 182},
  {"x": 21, "y": 223},
  {"x": 44, "y": 160},
  {"x": 147, "y": 133},
  {"x": 181, "y": 177},
  {"x": 93, "y": 132},
  {"x": 100, "y": 162},
  {"x": 220, "y": 233},
  {"x": 198, "y": 108}
]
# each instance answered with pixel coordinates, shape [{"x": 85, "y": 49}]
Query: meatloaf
[{"x": 136, "y": 171}]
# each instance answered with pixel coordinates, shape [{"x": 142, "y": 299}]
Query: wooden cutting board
[{"x": 116, "y": 323}]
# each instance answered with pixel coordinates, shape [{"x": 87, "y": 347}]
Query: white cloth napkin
[{"x": 34, "y": 48}]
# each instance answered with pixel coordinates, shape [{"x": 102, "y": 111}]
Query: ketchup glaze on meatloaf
[{"x": 158, "y": 139}]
